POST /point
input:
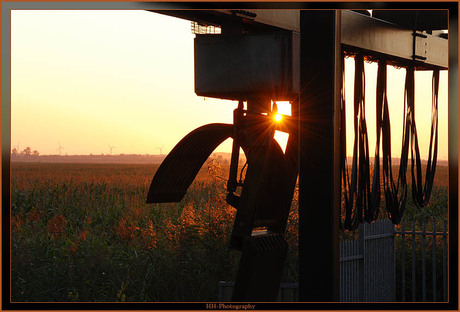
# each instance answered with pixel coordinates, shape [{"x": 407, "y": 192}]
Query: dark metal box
[{"x": 239, "y": 67}]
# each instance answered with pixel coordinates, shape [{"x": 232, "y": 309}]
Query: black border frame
[{"x": 6, "y": 7}]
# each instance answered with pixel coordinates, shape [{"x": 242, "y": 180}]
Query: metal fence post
[{"x": 361, "y": 235}]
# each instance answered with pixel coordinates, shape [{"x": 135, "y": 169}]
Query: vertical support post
[
  {"x": 453, "y": 116},
  {"x": 319, "y": 176}
]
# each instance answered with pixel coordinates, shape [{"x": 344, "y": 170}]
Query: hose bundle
[{"x": 361, "y": 198}]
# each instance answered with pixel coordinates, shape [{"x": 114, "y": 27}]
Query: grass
[{"x": 83, "y": 232}]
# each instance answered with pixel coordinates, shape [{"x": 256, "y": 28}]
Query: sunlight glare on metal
[
  {"x": 284, "y": 107},
  {"x": 282, "y": 139}
]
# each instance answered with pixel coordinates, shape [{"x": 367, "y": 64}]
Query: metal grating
[{"x": 201, "y": 29}]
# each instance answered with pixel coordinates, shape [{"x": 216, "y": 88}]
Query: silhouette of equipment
[
  {"x": 257, "y": 69},
  {"x": 259, "y": 59},
  {"x": 264, "y": 200}
]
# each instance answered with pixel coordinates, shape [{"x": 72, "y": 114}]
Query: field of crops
[{"x": 82, "y": 232}]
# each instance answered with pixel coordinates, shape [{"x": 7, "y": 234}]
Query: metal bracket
[
  {"x": 244, "y": 14},
  {"x": 419, "y": 46}
]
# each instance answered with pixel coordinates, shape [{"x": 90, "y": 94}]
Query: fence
[
  {"x": 422, "y": 286},
  {"x": 367, "y": 265},
  {"x": 372, "y": 255},
  {"x": 368, "y": 271}
]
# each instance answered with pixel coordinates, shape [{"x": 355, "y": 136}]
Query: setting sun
[{"x": 278, "y": 117}]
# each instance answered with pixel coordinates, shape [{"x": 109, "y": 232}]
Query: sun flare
[{"x": 278, "y": 117}]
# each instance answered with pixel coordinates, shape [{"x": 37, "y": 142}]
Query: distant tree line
[{"x": 26, "y": 152}]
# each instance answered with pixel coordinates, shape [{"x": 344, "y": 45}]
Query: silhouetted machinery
[
  {"x": 258, "y": 69},
  {"x": 259, "y": 62}
]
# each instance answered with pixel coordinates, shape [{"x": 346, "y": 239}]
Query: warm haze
[{"x": 87, "y": 80}]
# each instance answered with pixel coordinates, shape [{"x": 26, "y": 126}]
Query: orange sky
[{"x": 90, "y": 79}]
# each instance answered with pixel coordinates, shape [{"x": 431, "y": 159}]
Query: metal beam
[
  {"x": 362, "y": 33},
  {"x": 285, "y": 19},
  {"x": 319, "y": 139},
  {"x": 382, "y": 39}
]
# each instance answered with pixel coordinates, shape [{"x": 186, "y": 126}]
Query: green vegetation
[{"x": 83, "y": 232}]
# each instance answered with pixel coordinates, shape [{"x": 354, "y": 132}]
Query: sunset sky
[{"x": 90, "y": 79}]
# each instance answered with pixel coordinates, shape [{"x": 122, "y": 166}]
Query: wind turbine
[
  {"x": 161, "y": 150},
  {"x": 60, "y": 148},
  {"x": 111, "y": 148}
]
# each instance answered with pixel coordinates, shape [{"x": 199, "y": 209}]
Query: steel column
[{"x": 319, "y": 176}]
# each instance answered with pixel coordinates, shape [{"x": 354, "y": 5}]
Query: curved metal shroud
[{"x": 179, "y": 168}]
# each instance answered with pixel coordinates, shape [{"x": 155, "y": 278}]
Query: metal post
[
  {"x": 319, "y": 184},
  {"x": 453, "y": 156},
  {"x": 361, "y": 237}
]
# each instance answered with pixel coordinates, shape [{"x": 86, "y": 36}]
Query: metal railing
[
  {"x": 428, "y": 254},
  {"x": 367, "y": 264},
  {"x": 371, "y": 255},
  {"x": 374, "y": 267}
]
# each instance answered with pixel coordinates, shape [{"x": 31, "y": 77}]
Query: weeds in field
[{"x": 83, "y": 232}]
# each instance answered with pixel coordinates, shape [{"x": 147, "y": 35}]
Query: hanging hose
[
  {"x": 419, "y": 196},
  {"x": 395, "y": 194},
  {"x": 359, "y": 197}
]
